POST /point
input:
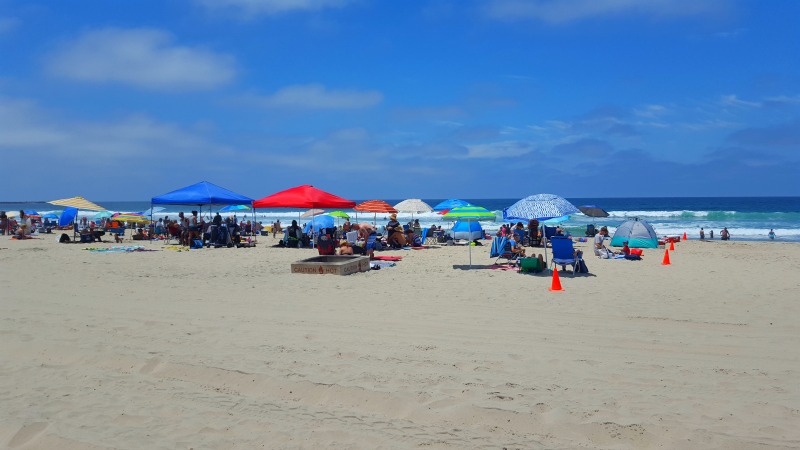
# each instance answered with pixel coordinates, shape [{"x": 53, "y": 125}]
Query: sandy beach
[{"x": 225, "y": 348}]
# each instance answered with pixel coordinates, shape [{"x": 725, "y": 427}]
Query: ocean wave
[{"x": 708, "y": 215}]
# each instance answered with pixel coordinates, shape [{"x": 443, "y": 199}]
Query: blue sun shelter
[
  {"x": 467, "y": 229},
  {"x": 638, "y": 234}
]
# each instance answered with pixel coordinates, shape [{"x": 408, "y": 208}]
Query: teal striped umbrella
[{"x": 470, "y": 213}]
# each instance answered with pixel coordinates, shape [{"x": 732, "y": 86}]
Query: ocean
[{"x": 747, "y": 218}]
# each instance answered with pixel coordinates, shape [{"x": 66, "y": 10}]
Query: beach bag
[
  {"x": 582, "y": 267},
  {"x": 197, "y": 243},
  {"x": 531, "y": 265},
  {"x": 633, "y": 257},
  {"x": 64, "y": 238},
  {"x": 637, "y": 251},
  {"x": 325, "y": 246}
]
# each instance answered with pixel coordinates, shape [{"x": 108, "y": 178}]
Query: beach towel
[
  {"x": 119, "y": 249},
  {"x": 387, "y": 258}
]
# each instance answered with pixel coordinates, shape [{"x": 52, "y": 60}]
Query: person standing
[
  {"x": 702, "y": 234},
  {"x": 771, "y": 234},
  {"x": 724, "y": 234}
]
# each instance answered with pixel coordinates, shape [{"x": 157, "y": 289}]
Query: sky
[{"x": 393, "y": 99}]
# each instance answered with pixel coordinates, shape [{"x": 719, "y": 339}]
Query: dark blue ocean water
[{"x": 747, "y": 218}]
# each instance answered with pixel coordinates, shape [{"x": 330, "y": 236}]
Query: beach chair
[
  {"x": 501, "y": 249},
  {"x": 564, "y": 253},
  {"x": 549, "y": 232},
  {"x": 521, "y": 237}
]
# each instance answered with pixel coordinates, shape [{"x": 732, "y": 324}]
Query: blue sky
[{"x": 385, "y": 99}]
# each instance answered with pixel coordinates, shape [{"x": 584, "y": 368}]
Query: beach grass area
[{"x": 225, "y": 348}]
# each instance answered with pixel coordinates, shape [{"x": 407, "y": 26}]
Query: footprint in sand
[
  {"x": 150, "y": 366},
  {"x": 27, "y": 434}
]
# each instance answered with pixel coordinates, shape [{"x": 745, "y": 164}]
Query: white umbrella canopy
[{"x": 413, "y": 206}]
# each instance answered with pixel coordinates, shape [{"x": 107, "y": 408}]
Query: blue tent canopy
[{"x": 202, "y": 193}]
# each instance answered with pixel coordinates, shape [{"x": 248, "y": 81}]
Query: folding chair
[{"x": 564, "y": 253}]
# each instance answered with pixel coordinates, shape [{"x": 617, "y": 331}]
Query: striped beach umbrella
[
  {"x": 375, "y": 206},
  {"x": 79, "y": 203},
  {"x": 470, "y": 213},
  {"x": 539, "y": 207}
]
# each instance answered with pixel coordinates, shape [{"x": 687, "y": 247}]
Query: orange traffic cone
[
  {"x": 556, "y": 286},
  {"x": 671, "y": 245},
  {"x": 684, "y": 235},
  {"x": 665, "y": 262}
]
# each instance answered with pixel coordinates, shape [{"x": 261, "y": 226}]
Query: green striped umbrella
[{"x": 470, "y": 213}]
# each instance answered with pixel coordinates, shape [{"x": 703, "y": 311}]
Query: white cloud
[
  {"x": 146, "y": 58},
  {"x": 733, "y": 100},
  {"x": 499, "y": 149},
  {"x": 269, "y": 7},
  {"x": 650, "y": 111},
  {"x": 316, "y": 96},
  {"x": 564, "y": 11},
  {"x": 29, "y": 129}
]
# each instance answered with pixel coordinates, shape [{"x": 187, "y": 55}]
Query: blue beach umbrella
[
  {"x": 450, "y": 204},
  {"x": 319, "y": 222},
  {"x": 540, "y": 207},
  {"x": 50, "y": 216},
  {"x": 102, "y": 215},
  {"x": 235, "y": 208}
]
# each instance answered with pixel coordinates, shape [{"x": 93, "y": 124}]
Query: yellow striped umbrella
[{"x": 78, "y": 202}]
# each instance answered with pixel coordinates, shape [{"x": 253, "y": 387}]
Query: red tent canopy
[
  {"x": 305, "y": 196},
  {"x": 375, "y": 206}
]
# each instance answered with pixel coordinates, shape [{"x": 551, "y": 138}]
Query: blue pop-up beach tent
[
  {"x": 637, "y": 233},
  {"x": 469, "y": 230}
]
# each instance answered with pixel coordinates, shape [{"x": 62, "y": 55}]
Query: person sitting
[
  {"x": 345, "y": 248},
  {"x": 413, "y": 239},
  {"x": 139, "y": 235},
  {"x": 365, "y": 232},
  {"x": 396, "y": 238},
  {"x": 516, "y": 247},
  {"x": 599, "y": 246},
  {"x": 294, "y": 235},
  {"x": 24, "y": 223}
]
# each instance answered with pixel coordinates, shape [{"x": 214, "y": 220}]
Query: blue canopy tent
[{"x": 200, "y": 194}]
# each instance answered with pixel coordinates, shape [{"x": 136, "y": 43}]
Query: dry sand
[{"x": 225, "y": 348}]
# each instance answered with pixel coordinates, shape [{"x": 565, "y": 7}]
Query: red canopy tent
[{"x": 305, "y": 196}]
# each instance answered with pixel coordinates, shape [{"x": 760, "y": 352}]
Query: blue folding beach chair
[{"x": 564, "y": 253}]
